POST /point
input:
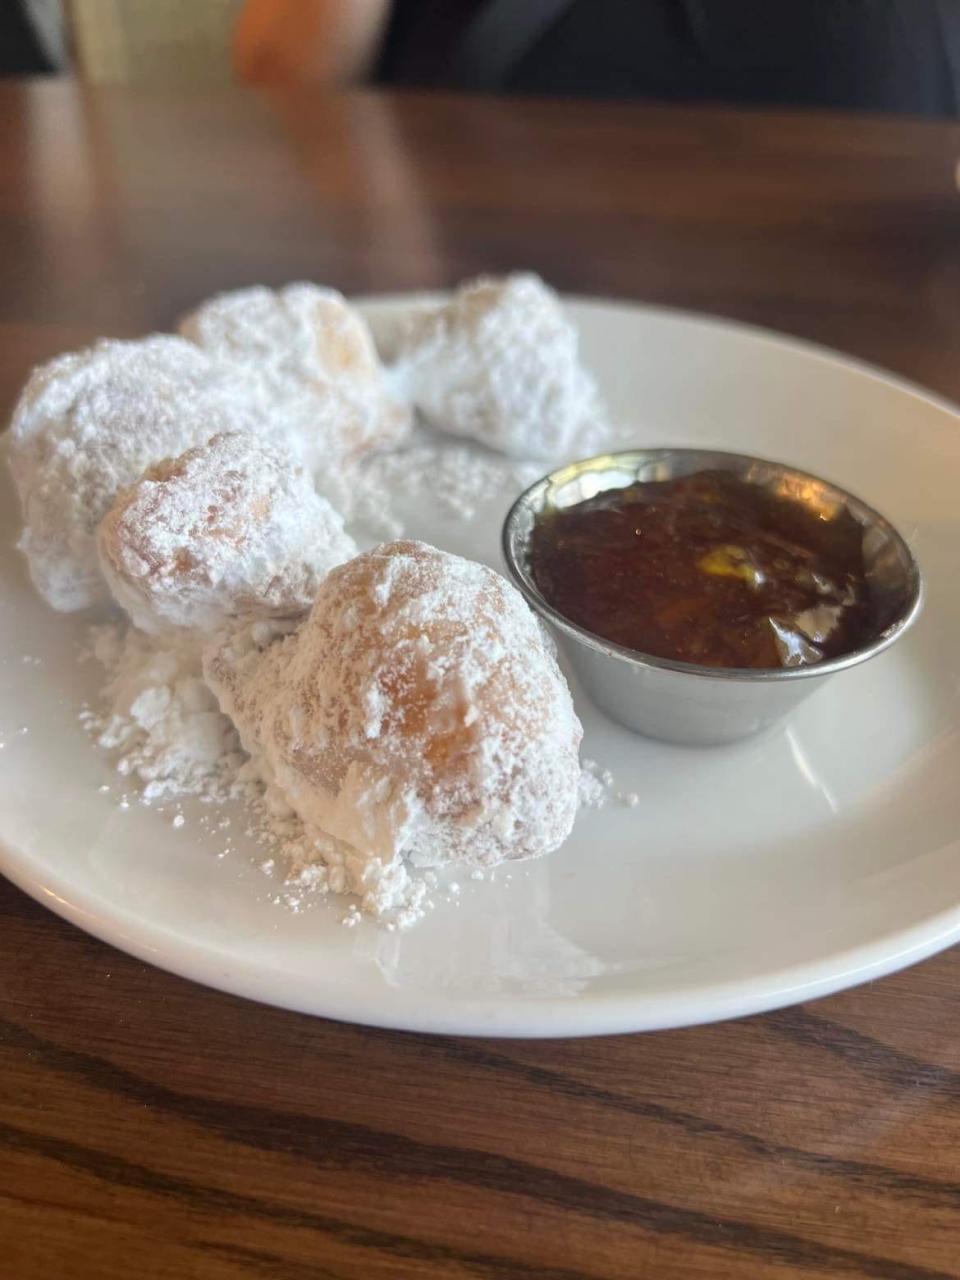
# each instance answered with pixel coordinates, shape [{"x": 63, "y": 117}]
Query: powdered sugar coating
[
  {"x": 416, "y": 713},
  {"x": 304, "y": 341},
  {"x": 89, "y": 423},
  {"x": 500, "y": 363},
  {"x": 230, "y": 527}
]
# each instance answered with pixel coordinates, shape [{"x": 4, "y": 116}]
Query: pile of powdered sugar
[
  {"x": 159, "y": 719},
  {"x": 164, "y": 731}
]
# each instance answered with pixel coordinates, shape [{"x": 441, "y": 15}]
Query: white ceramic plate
[{"x": 748, "y": 877}]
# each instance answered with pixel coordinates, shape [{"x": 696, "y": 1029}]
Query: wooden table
[{"x": 151, "y": 1128}]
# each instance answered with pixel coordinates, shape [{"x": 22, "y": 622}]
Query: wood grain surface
[{"x": 151, "y": 1128}]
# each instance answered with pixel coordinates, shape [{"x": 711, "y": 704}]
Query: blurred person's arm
[{"x": 321, "y": 41}]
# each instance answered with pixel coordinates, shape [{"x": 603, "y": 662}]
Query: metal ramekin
[{"x": 678, "y": 701}]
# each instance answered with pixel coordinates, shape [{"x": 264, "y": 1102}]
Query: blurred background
[{"x": 876, "y": 55}]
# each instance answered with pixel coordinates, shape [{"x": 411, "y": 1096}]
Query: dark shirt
[
  {"x": 421, "y": 38},
  {"x": 894, "y": 55},
  {"x": 20, "y": 50}
]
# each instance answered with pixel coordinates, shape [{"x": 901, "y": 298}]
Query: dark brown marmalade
[{"x": 707, "y": 569}]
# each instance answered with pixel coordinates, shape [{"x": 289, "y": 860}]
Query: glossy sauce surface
[{"x": 707, "y": 569}]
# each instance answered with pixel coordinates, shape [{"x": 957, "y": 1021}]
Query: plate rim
[{"x": 528, "y": 1017}]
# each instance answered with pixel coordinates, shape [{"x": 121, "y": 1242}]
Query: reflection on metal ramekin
[{"x": 678, "y": 701}]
